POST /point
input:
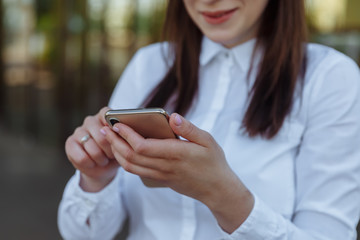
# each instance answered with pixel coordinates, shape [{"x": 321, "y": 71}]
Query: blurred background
[{"x": 59, "y": 61}]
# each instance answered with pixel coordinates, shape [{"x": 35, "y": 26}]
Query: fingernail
[
  {"x": 116, "y": 129},
  {"x": 178, "y": 120},
  {"x": 103, "y": 132}
]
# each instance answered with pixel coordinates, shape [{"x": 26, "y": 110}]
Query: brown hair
[{"x": 282, "y": 34}]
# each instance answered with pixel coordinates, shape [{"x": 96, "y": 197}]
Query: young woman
[{"x": 269, "y": 144}]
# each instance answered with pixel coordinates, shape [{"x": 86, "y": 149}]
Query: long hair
[
  {"x": 281, "y": 35},
  {"x": 184, "y": 39}
]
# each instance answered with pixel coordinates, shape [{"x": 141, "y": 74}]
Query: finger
[
  {"x": 189, "y": 131},
  {"x": 140, "y": 170},
  {"x": 101, "y": 115},
  {"x": 93, "y": 126},
  {"x": 120, "y": 146},
  {"x": 91, "y": 147},
  {"x": 77, "y": 155},
  {"x": 156, "y": 148},
  {"x": 95, "y": 153}
]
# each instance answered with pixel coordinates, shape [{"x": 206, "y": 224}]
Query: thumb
[{"x": 189, "y": 131}]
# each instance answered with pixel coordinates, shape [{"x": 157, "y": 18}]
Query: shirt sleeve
[
  {"x": 327, "y": 167},
  {"x": 144, "y": 72},
  {"x": 105, "y": 210},
  {"x": 127, "y": 90},
  {"x": 84, "y": 215}
]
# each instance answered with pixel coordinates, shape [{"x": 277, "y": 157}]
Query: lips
[{"x": 218, "y": 17}]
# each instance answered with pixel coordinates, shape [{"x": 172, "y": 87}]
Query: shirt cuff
[
  {"x": 89, "y": 201},
  {"x": 259, "y": 225}
]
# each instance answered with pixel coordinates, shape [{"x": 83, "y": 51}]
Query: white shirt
[{"x": 306, "y": 180}]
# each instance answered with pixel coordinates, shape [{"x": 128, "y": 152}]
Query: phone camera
[{"x": 113, "y": 121}]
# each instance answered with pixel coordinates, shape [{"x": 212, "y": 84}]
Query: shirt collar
[
  {"x": 242, "y": 53},
  {"x": 209, "y": 50}
]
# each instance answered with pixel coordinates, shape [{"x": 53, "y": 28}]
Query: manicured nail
[
  {"x": 178, "y": 120},
  {"x": 116, "y": 129},
  {"x": 103, "y": 132}
]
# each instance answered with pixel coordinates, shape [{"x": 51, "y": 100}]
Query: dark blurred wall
[
  {"x": 59, "y": 61},
  {"x": 2, "y": 82}
]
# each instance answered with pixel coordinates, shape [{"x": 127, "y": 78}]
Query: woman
[{"x": 270, "y": 142}]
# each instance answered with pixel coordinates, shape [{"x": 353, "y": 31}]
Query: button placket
[
  {"x": 217, "y": 104},
  {"x": 221, "y": 91}
]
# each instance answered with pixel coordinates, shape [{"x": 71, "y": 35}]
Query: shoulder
[
  {"x": 331, "y": 68},
  {"x": 156, "y": 53},
  {"x": 322, "y": 59},
  {"x": 145, "y": 70},
  {"x": 149, "y": 64},
  {"x": 331, "y": 79}
]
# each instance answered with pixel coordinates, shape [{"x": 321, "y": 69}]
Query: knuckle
[
  {"x": 129, "y": 154},
  {"x": 109, "y": 154},
  {"x": 127, "y": 166},
  {"x": 208, "y": 137},
  {"x": 68, "y": 143},
  {"x": 164, "y": 179},
  {"x": 69, "y": 146},
  {"x": 102, "y": 141},
  {"x": 81, "y": 161},
  {"x": 88, "y": 120},
  {"x": 140, "y": 147},
  {"x": 189, "y": 129},
  {"x": 99, "y": 140},
  {"x": 103, "y": 111},
  {"x": 110, "y": 140},
  {"x": 77, "y": 130},
  {"x": 104, "y": 144},
  {"x": 116, "y": 146},
  {"x": 165, "y": 169},
  {"x": 101, "y": 114},
  {"x": 97, "y": 154}
]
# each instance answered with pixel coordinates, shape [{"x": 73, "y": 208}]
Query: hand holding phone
[{"x": 148, "y": 122}]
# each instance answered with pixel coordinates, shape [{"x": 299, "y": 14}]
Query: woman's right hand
[{"x": 92, "y": 157}]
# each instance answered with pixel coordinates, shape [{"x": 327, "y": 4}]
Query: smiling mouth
[{"x": 218, "y": 17}]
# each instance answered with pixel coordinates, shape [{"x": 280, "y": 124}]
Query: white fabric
[{"x": 305, "y": 180}]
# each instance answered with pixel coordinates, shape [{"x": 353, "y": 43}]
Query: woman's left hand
[{"x": 196, "y": 168}]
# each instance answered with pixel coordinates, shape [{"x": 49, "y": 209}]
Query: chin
[
  {"x": 229, "y": 39},
  {"x": 221, "y": 39}
]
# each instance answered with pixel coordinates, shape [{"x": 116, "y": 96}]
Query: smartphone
[{"x": 148, "y": 122}]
